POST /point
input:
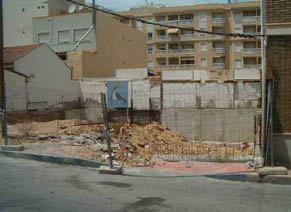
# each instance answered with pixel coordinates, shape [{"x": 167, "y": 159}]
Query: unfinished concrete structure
[
  {"x": 18, "y": 18},
  {"x": 112, "y": 45},
  {"x": 174, "y": 49}
]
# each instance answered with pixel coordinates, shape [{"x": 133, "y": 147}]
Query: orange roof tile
[{"x": 12, "y": 53}]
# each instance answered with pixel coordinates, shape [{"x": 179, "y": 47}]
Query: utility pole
[
  {"x": 94, "y": 15},
  {"x": 2, "y": 79}
]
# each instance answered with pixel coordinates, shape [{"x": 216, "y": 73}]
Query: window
[
  {"x": 43, "y": 37},
  {"x": 238, "y": 46},
  {"x": 202, "y": 16},
  {"x": 203, "y": 47},
  {"x": 138, "y": 25},
  {"x": 150, "y": 36},
  {"x": 202, "y": 34},
  {"x": 150, "y": 27},
  {"x": 64, "y": 36},
  {"x": 23, "y": 9},
  {"x": 150, "y": 49},
  {"x": 79, "y": 33},
  {"x": 238, "y": 63},
  {"x": 150, "y": 64},
  {"x": 203, "y": 62}
]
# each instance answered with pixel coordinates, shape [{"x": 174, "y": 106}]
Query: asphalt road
[{"x": 28, "y": 186}]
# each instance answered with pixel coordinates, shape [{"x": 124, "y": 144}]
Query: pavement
[{"x": 30, "y": 186}]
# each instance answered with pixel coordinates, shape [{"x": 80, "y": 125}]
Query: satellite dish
[
  {"x": 80, "y": 8},
  {"x": 72, "y": 8}
]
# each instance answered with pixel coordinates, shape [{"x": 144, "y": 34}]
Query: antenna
[{"x": 72, "y": 8}]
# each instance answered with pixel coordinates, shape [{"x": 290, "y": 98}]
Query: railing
[
  {"x": 218, "y": 20},
  {"x": 187, "y": 37},
  {"x": 187, "y": 51},
  {"x": 173, "y": 22},
  {"x": 173, "y": 66},
  {"x": 161, "y": 37},
  {"x": 252, "y": 33},
  {"x": 218, "y": 36},
  {"x": 219, "y": 65},
  {"x": 188, "y": 66},
  {"x": 173, "y": 38},
  {"x": 173, "y": 51},
  {"x": 251, "y": 50},
  {"x": 162, "y": 67},
  {"x": 219, "y": 50},
  {"x": 251, "y": 18},
  {"x": 185, "y": 22},
  {"x": 161, "y": 52},
  {"x": 162, "y": 22},
  {"x": 252, "y": 66}
]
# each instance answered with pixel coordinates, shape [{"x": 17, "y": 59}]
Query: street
[{"x": 34, "y": 186}]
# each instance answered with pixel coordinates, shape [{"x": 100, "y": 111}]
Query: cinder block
[
  {"x": 12, "y": 148},
  {"x": 108, "y": 170}
]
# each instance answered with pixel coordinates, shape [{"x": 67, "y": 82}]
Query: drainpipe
[{"x": 263, "y": 53}]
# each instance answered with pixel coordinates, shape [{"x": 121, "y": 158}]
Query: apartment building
[
  {"x": 91, "y": 50},
  {"x": 17, "y": 18},
  {"x": 175, "y": 49}
]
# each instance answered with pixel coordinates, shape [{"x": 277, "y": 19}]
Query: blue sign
[{"x": 117, "y": 94}]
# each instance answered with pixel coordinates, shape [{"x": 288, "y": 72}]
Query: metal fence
[{"x": 185, "y": 122}]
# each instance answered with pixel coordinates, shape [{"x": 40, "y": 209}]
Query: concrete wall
[
  {"x": 50, "y": 81},
  {"x": 221, "y": 125}
]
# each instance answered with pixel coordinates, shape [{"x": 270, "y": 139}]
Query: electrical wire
[{"x": 109, "y": 12}]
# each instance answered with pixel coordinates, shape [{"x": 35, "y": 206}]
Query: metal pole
[
  {"x": 94, "y": 15},
  {"x": 263, "y": 52},
  {"x": 2, "y": 79}
]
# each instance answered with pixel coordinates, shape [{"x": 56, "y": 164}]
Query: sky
[{"x": 120, "y": 5}]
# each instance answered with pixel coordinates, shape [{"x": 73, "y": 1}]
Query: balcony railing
[
  {"x": 185, "y": 22},
  {"x": 188, "y": 66},
  {"x": 187, "y": 37},
  {"x": 173, "y": 37},
  {"x": 219, "y": 65},
  {"x": 252, "y": 66},
  {"x": 163, "y": 67},
  {"x": 160, "y": 52},
  {"x": 251, "y": 33},
  {"x": 173, "y": 51},
  {"x": 162, "y": 22},
  {"x": 173, "y": 22},
  {"x": 218, "y": 37},
  {"x": 218, "y": 20},
  {"x": 246, "y": 19},
  {"x": 161, "y": 37},
  {"x": 251, "y": 50},
  {"x": 173, "y": 66},
  {"x": 218, "y": 50},
  {"x": 187, "y": 51}
]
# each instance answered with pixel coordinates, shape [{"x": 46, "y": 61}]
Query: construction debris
[{"x": 132, "y": 145}]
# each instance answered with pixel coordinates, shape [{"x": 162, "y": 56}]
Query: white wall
[{"x": 50, "y": 81}]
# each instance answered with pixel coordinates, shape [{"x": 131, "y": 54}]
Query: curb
[{"x": 52, "y": 159}]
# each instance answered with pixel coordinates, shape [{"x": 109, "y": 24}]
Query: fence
[{"x": 161, "y": 121}]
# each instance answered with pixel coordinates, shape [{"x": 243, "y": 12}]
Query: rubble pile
[{"x": 132, "y": 145}]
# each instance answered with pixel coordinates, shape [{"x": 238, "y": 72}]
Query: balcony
[
  {"x": 173, "y": 51},
  {"x": 187, "y": 51},
  {"x": 162, "y": 67},
  {"x": 219, "y": 65},
  {"x": 218, "y": 20},
  {"x": 173, "y": 22},
  {"x": 252, "y": 66},
  {"x": 218, "y": 50},
  {"x": 173, "y": 38},
  {"x": 173, "y": 66},
  {"x": 187, "y": 22},
  {"x": 218, "y": 37},
  {"x": 251, "y": 51},
  {"x": 187, "y": 37},
  {"x": 161, "y": 52},
  {"x": 249, "y": 19},
  {"x": 187, "y": 66},
  {"x": 164, "y": 22},
  {"x": 161, "y": 37}
]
